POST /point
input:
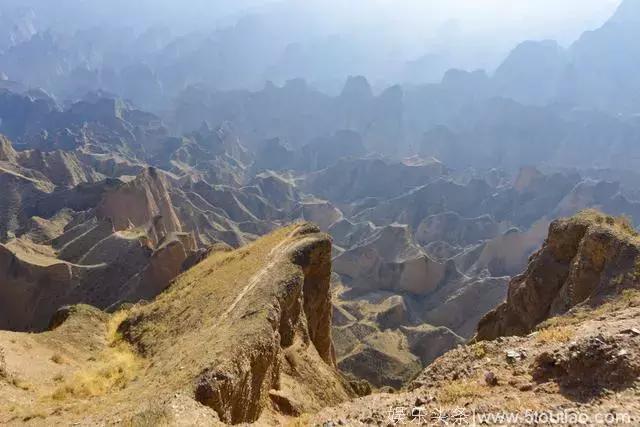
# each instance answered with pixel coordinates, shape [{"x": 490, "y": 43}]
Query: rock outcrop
[
  {"x": 454, "y": 229},
  {"x": 587, "y": 363},
  {"x": 106, "y": 270},
  {"x": 126, "y": 246},
  {"x": 584, "y": 259},
  {"x": 352, "y": 179}
]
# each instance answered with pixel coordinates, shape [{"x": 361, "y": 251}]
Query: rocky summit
[{"x": 266, "y": 213}]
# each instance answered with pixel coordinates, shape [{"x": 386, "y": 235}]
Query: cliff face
[
  {"x": 121, "y": 267},
  {"x": 584, "y": 259}
]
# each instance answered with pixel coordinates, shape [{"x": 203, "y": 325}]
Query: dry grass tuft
[
  {"x": 479, "y": 350},
  {"x": 558, "y": 334},
  {"x": 113, "y": 336},
  {"x": 34, "y": 416},
  {"x": 302, "y": 421},
  {"x": 457, "y": 390},
  {"x": 114, "y": 369},
  {"x": 626, "y": 223}
]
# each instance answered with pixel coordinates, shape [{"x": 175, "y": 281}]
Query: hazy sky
[
  {"x": 561, "y": 19},
  {"x": 558, "y": 19},
  {"x": 374, "y": 37},
  {"x": 471, "y": 33}
]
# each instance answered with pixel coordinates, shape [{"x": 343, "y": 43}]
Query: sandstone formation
[
  {"x": 143, "y": 201},
  {"x": 349, "y": 180}
]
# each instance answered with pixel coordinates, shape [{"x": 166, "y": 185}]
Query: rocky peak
[
  {"x": 102, "y": 109},
  {"x": 525, "y": 178},
  {"x": 470, "y": 80}
]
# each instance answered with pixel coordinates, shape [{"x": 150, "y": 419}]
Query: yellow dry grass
[
  {"x": 301, "y": 421},
  {"x": 558, "y": 334},
  {"x": 479, "y": 350},
  {"x": 455, "y": 391},
  {"x": 113, "y": 369}
]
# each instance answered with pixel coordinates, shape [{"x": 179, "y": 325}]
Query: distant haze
[{"x": 323, "y": 41}]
